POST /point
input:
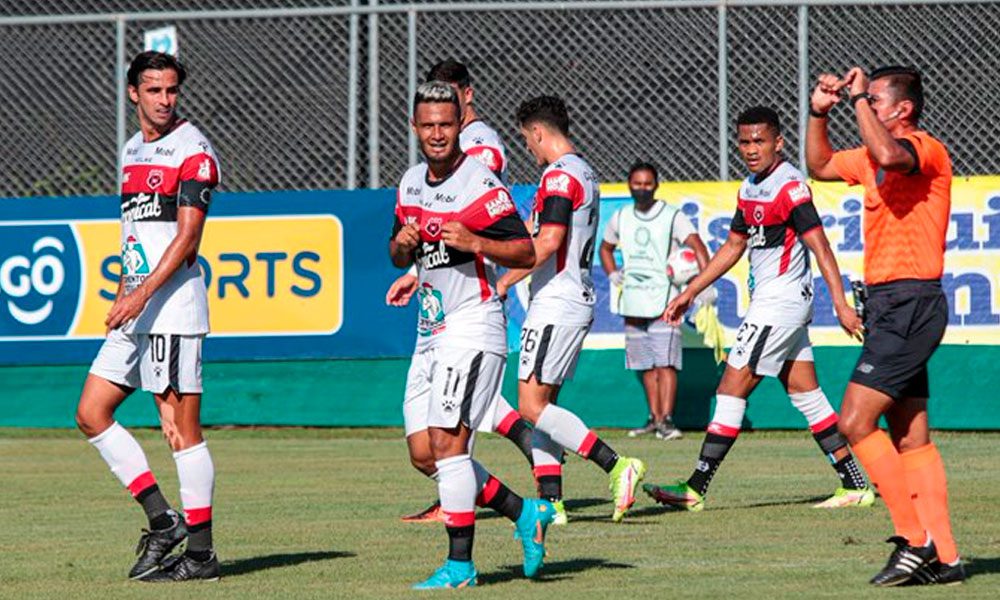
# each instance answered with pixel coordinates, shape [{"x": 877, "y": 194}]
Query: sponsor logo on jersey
[
  {"x": 557, "y": 183},
  {"x": 414, "y": 191},
  {"x": 141, "y": 207},
  {"x": 488, "y": 158},
  {"x": 799, "y": 192},
  {"x": 431, "y": 319},
  {"x": 445, "y": 198},
  {"x": 134, "y": 260},
  {"x": 500, "y": 205},
  {"x": 434, "y": 255},
  {"x": 204, "y": 170},
  {"x": 161, "y": 151},
  {"x": 40, "y": 279}
]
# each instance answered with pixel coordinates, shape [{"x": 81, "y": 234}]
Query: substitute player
[
  {"x": 158, "y": 322},
  {"x": 456, "y": 220},
  {"x": 906, "y": 174},
  {"x": 561, "y": 306},
  {"x": 776, "y": 218},
  {"x": 482, "y": 142},
  {"x": 646, "y": 234}
]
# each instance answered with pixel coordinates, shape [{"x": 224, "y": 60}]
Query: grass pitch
[{"x": 314, "y": 514}]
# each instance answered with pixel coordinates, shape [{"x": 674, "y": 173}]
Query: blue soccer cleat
[
  {"x": 453, "y": 575},
  {"x": 536, "y": 516}
]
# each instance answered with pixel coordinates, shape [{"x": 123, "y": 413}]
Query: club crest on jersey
[
  {"x": 154, "y": 179},
  {"x": 433, "y": 226},
  {"x": 758, "y": 214},
  {"x": 500, "y": 205},
  {"x": 557, "y": 183}
]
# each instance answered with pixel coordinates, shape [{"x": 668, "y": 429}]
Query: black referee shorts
[{"x": 905, "y": 322}]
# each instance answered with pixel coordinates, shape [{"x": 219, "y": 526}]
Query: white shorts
[
  {"x": 550, "y": 352},
  {"x": 766, "y": 348},
  {"x": 151, "y": 361},
  {"x": 652, "y": 343},
  {"x": 448, "y": 386}
]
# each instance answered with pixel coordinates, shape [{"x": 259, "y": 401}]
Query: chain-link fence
[{"x": 315, "y": 94}]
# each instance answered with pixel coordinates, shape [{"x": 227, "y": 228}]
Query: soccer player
[
  {"x": 647, "y": 233},
  {"x": 157, "y": 323},
  {"x": 456, "y": 221},
  {"x": 906, "y": 174},
  {"x": 776, "y": 218},
  {"x": 482, "y": 142},
  {"x": 561, "y": 308}
]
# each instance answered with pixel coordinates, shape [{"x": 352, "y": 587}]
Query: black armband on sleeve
[
  {"x": 195, "y": 193},
  {"x": 556, "y": 210},
  {"x": 739, "y": 224},
  {"x": 804, "y": 217},
  {"x": 912, "y": 151},
  {"x": 506, "y": 229}
]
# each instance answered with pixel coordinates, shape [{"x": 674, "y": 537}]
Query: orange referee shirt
[{"x": 906, "y": 215}]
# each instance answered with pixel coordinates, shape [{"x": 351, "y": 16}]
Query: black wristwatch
[
  {"x": 862, "y": 96},
  {"x": 817, "y": 114}
]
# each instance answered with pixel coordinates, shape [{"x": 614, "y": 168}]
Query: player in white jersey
[
  {"x": 456, "y": 221},
  {"x": 480, "y": 141},
  {"x": 647, "y": 233},
  {"x": 561, "y": 306},
  {"x": 776, "y": 218},
  {"x": 157, "y": 323}
]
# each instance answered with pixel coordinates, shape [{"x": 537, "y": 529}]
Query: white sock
[
  {"x": 502, "y": 412},
  {"x": 457, "y": 490},
  {"x": 565, "y": 428},
  {"x": 814, "y": 406},
  {"x": 197, "y": 478},
  {"x": 125, "y": 457},
  {"x": 545, "y": 454}
]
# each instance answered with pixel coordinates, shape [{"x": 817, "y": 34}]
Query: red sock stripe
[
  {"x": 547, "y": 471},
  {"x": 508, "y": 422},
  {"x": 141, "y": 483},
  {"x": 489, "y": 491},
  {"x": 193, "y": 516},
  {"x": 459, "y": 519},
  {"x": 587, "y": 444},
  {"x": 723, "y": 430},
  {"x": 824, "y": 424}
]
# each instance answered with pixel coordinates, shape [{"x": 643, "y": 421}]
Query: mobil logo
[{"x": 40, "y": 279}]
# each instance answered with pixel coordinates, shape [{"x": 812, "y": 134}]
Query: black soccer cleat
[
  {"x": 939, "y": 573},
  {"x": 155, "y": 545},
  {"x": 182, "y": 567},
  {"x": 904, "y": 562}
]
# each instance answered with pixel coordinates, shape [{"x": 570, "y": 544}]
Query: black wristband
[
  {"x": 817, "y": 114},
  {"x": 862, "y": 96}
]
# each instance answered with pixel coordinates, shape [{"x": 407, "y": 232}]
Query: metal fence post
[
  {"x": 121, "y": 98},
  {"x": 352, "y": 98},
  {"x": 411, "y": 76},
  {"x": 723, "y": 97},
  {"x": 803, "y": 82},
  {"x": 373, "y": 93}
]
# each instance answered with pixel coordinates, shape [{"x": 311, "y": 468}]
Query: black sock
[
  {"x": 460, "y": 542},
  {"x": 199, "y": 545},
  {"x": 849, "y": 473},
  {"x": 713, "y": 451},
  {"x": 506, "y": 502},
  {"x": 603, "y": 455},
  {"x": 156, "y": 508},
  {"x": 520, "y": 434},
  {"x": 550, "y": 487}
]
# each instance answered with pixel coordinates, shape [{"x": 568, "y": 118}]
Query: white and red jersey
[
  {"x": 562, "y": 291},
  {"x": 457, "y": 300},
  {"x": 773, "y": 210},
  {"x": 482, "y": 142},
  {"x": 178, "y": 169}
]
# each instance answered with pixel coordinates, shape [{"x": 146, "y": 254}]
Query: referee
[{"x": 906, "y": 174}]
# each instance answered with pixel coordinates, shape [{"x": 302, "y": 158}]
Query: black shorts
[{"x": 904, "y": 322}]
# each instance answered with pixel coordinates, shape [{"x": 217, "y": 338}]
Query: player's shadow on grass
[
  {"x": 571, "y": 505},
  {"x": 552, "y": 571},
  {"x": 243, "y": 566},
  {"x": 982, "y": 566}
]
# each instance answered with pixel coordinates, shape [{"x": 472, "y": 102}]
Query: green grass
[{"x": 307, "y": 513}]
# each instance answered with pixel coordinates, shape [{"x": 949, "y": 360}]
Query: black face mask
[{"x": 643, "y": 197}]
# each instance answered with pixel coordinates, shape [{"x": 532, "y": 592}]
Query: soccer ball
[{"x": 682, "y": 266}]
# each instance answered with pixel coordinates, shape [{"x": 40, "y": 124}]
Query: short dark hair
[
  {"x": 156, "y": 61},
  {"x": 549, "y": 110},
  {"x": 641, "y": 165},
  {"x": 760, "y": 114},
  {"x": 434, "y": 91},
  {"x": 905, "y": 83},
  {"x": 450, "y": 71}
]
